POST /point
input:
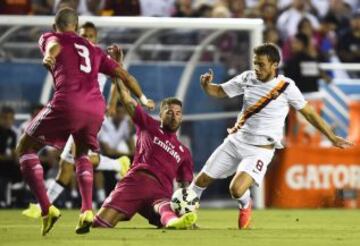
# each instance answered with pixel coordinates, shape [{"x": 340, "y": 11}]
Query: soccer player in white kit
[
  {"x": 66, "y": 166},
  {"x": 250, "y": 145}
]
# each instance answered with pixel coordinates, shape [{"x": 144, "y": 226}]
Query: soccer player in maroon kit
[
  {"x": 77, "y": 108},
  {"x": 159, "y": 159}
]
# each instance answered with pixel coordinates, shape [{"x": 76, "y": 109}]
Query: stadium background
[{"x": 160, "y": 61}]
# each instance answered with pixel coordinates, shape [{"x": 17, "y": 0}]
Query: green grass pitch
[{"x": 218, "y": 227}]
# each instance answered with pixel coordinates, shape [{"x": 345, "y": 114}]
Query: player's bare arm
[
  {"x": 213, "y": 90},
  {"x": 134, "y": 86},
  {"x": 51, "y": 52},
  {"x": 125, "y": 97},
  {"x": 313, "y": 118},
  {"x": 117, "y": 54}
]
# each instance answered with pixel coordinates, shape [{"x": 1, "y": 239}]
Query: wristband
[{"x": 143, "y": 99}]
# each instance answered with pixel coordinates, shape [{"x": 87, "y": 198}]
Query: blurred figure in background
[
  {"x": 121, "y": 8},
  {"x": 349, "y": 43},
  {"x": 11, "y": 7},
  {"x": 9, "y": 170},
  {"x": 288, "y": 21}
]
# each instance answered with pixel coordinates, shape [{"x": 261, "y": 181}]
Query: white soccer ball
[{"x": 184, "y": 201}]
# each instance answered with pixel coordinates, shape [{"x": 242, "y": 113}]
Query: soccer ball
[{"x": 184, "y": 201}]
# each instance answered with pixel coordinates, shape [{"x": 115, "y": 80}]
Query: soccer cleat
[
  {"x": 245, "y": 217},
  {"x": 186, "y": 221},
  {"x": 124, "y": 163},
  {"x": 85, "y": 221},
  {"x": 33, "y": 211},
  {"x": 50, "y": 219}
]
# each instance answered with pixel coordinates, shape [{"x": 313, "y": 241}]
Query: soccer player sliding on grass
[
  {"x": 77, "y": 108},
  {"x": 159, "y": 159},
  {"x": 251, "y": 143}
]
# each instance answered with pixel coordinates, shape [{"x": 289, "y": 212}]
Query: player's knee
[
  {"x": 237, "y": 190},
  {"x": 203, "y": 180}
]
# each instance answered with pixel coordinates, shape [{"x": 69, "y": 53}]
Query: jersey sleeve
[
  {"x": 235, "y": 86},
  {"x": 45, "y": 39},
  {"x": 294, "y": 96},
  {"x": 141, "y": 119},
  {"x": 107, "y": 65},
  {"x": 185, "y": 171}
]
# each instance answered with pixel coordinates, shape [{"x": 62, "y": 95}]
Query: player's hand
[
  {"x": 116, "y": 53},
  {"x": 49, "y": 62},
  {"x": 234, "y": 129},
  {"x": 206, "y": 78},
  {"x": 341, "y": 142},
  {"x": 111, "y": 110},
  {"x": 150, "y": 104}
]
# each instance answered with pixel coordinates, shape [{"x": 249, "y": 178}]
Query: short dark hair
[
  {"x": 7, "y": 110},
  {"x": 65, "y": 17},
  {"x": 89, "y": 24},
  {"x": 303, "y": 39},
  {"x": 330, "y": 18},
  {"x": 270, "y": 50},
  {"x": 169, "y": 101}
]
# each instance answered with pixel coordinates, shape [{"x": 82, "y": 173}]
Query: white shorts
[
  {"x": 231, "y": 157},
  {"x": 66, "y": 154}
]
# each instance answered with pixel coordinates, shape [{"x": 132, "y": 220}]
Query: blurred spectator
[
  {"x": 203, "y": 9},
  {"x": 115, "y": 135},
  {"x": 303, "y": 65},
  {"x": 42, "y": 7},
  {"x": 9, "y": 170},
  {"x": 184, "y": 8},
  {"x": 116, "y": 139},
  {"x": 122, "y": 8},
  {"x": 326, "y": 36},
  {"x": 288, "y": 21},
  {"x": 271, "y": 35},
  {"x": 341, "y": 11},
  {"x": 83, "y": 7},
  {"x": 269, "y": 13},
  {"x": 164, "y": 8},
  {"x": 18, "y": 7},
  {"x": 349, "y": 42},
  {"x": 221, "y": 11}
]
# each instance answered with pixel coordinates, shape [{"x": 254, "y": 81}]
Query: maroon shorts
[
  {"x": 53, "y": 126},
  {"x": 137, "y": 193}
]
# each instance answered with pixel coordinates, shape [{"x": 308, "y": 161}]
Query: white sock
[
  {"x": 198, "y": 190},
  {"x": 244, "y": 200},
  {"x": 54, "y": 191},
  {"x": 100, "y": 195},
  {"x": 108, "y": 164}
]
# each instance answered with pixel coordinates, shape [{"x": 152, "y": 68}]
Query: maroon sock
[
  {"x": 166, "y": 213},
  {"x": 84, "y": 176},
  {"x": 32, "y": 172}
]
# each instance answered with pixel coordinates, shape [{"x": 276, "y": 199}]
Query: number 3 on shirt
[{"x": 84, "y": 53}]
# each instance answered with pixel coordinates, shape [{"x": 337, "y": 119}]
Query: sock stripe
[
  {"x": 99, "y": 222},
  {"x": 27, "y": 157}
]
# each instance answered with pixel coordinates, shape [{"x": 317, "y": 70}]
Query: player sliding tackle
[
  {"x": 160, "y": 158},
  {"x": 77, "y": 108},
  {"x": 251, "y": 143}
]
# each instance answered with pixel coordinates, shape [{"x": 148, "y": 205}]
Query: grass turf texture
[{"x": 218, "y": 227}]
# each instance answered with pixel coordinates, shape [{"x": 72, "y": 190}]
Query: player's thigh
[
  {"x": 222, "y": 162},
  {"x": 111, "y": 215},
  {"x": 85, "y": 138},
  {"x": 255, "y": 162},
  {"x": 28, "y": 143}
]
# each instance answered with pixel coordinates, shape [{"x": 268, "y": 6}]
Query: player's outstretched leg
[
  {"x": 104, "y": 163},
  {"x": 171, "y": 221}
]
